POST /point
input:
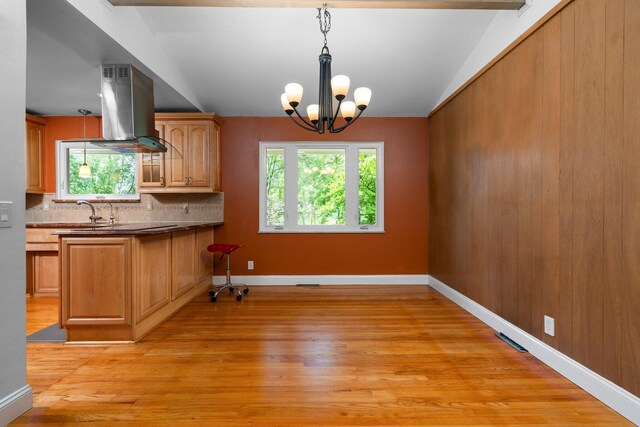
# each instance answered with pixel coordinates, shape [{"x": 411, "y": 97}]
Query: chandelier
[{"x": 321, "y": 116}]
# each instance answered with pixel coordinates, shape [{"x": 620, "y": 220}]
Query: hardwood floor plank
[{"x": 287, "y": 356}]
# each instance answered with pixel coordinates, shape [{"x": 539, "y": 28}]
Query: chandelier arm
[
  {"x": 346, "y": 125},
  {"x": 313, "y": 129},
  {"x": 303, "y": 119},
  {"x": 335, "y": 116}
]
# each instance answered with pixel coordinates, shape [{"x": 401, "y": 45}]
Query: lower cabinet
[
  {"x": 153, "y": 269},
  {"x": 45, "y": 273},
  {"x": 121, "y": 288},
  {"x": 183, "y": 262}
]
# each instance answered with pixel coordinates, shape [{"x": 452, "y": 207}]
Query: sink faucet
[
  {"x": 94, "y": 218},
  {"x": 112, "y": 217}
]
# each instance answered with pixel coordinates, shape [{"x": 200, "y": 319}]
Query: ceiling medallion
[{"x": 321, "y": 117}]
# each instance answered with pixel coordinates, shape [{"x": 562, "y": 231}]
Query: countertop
[{"x": 127, "y": 229}]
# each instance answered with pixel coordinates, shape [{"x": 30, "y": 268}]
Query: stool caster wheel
[
  {"x": 212, "y": 293},
  {"x": 239, "y": 298},
  {"x": 214, "y": 299},
  {"x": 246, "y": 291}
]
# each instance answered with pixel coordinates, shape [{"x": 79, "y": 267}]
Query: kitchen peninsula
[{"x": 120, "y": 282}]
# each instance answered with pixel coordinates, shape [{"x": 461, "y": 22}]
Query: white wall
[
  {"x": 503, "y": 30},
  {"x": 15, "y": 395}
]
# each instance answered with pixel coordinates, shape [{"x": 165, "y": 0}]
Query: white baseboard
[
  {"x": 15, "y": 404},
  {"x": 617, "y": 398},
  {"x": 381, "y": 279}
]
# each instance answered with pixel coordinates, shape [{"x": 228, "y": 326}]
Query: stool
[{"x": 226, "y": 249}]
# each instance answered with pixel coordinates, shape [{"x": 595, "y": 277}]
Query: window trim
[
  {"x": 291, "y": 187},
  {"x": 62, "y": 186}
]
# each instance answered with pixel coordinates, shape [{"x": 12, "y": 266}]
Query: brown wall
[
  {"x": 535, "y": 187},
  {"x": 64, "y": 127},
  {"x": 402, "y": 249}
]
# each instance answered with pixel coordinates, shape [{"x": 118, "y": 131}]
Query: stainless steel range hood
[{"x": 127, "y": 112}]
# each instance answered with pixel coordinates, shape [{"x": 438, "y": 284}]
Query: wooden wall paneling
[
  {"x": 535, "y": 288},
  {"x": 510, "y": 146},
  {"x": 447, "y": 241},
  {"x": 613, "y": 184},
  {"x": 477, "y": 253},
  {"x": 588, "y": 239},
  {"x": 546, "y": 269},
  {"x": 433, "y": 193},
  {"x": 492, "y": 135},
  {"x": 564, "y": 321},
  {"x": 529, "y": 67},
  {"x": 630, "y": 351}
]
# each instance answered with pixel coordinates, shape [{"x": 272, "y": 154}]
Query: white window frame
[
  {"x": 62, "y": 185},
  {"x": 291, "y": 188}
]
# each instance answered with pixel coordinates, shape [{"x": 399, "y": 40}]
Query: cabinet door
[
  {"x": 183, "y": 262},
  {"x": 35, "y": 157},
  {"x": 153, "y": 274},
  {"x": 215, "y": 164},
  {"x": 204, "y": 238},
  {"x": 45, "y": 273},
  {"x": 151, "y": 166},
  {"x": 96, "y": 281},
  {"x": 176, "y": 163},
  {"x": 199, "y": 155}
]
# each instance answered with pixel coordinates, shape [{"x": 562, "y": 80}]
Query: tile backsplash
[{"x": 156, "y": 207}]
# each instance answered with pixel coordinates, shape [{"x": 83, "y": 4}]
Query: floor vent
[
  {"x": 311, "y": 285},
  {"x": 511, "y": 342}
]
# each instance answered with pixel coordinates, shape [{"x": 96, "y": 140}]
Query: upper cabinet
[
  {"x": 35, "y": 154},
  {"x": 192, "y": 162}
]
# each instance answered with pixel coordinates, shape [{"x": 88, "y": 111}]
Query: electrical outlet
[
  {"x": 549, "y": 326},
  {"x": 250, "y": 265}
]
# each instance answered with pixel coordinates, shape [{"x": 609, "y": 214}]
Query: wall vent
[{"x": 511, "y": 342}]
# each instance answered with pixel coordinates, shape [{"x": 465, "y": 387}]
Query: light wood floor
[{"x": 286, "y": 356}]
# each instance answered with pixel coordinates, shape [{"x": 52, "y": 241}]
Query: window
[
  {"x": 113, "y": 174},
  {"x": 321, "y": 187}
]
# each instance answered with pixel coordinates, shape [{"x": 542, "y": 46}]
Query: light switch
[{"x": 5, "y": 214}]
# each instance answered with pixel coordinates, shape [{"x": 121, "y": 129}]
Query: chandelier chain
[{"x": 324, "y": 18}]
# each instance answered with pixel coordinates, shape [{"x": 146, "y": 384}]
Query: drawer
[{"x": 41, "y": 235}]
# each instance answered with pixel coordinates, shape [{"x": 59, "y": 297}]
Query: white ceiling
[{"x": 236, "y": 61}]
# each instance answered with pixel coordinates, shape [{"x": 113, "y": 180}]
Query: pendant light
[
  {"x": 322, "y": 116},
  {"x": 85, "y": 171}
]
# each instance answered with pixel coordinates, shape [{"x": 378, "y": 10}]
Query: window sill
[{"x": 272, "y": 231}]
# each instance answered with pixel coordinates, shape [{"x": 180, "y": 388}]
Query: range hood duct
[{"x": 128, "y": 124}]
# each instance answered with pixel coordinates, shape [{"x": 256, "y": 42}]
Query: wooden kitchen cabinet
[
  {"x": 183, "y": 265},
  {"x": 153, "y": 268},
  {"x": 204, "y": 258},
  {"x": 120, "y": 288},
  {"x": 35, "y": 160},
  {"x": 192, "y": 162},
  {"x": 99, "y": 272},
  {"x": 42, "y": 262}
]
